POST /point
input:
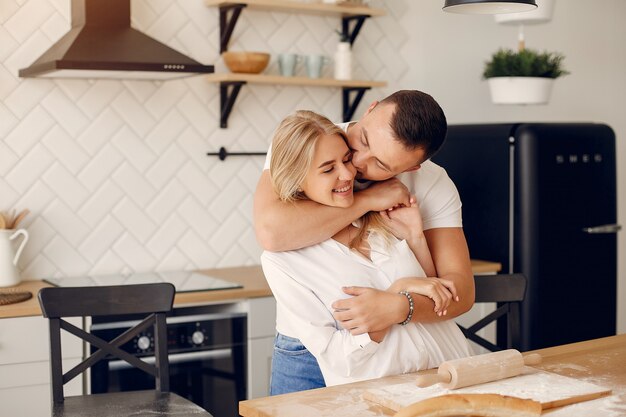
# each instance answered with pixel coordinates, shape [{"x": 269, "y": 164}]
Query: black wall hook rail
[{"x": 223, "y": 153}]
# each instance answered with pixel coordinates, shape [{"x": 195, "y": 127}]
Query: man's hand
[
  {"x": 384, "y": 195},
  {"x": 369, "y": 310}
]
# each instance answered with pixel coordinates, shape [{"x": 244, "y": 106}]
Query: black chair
[
  {"x": 153, "y": 300},
  {"x": 508, "y": 291}
]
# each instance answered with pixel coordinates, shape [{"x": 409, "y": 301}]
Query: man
[{"x": 395, "y": 136}]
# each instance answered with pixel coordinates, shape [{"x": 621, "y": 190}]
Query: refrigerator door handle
[{"x": 605, "y": 228}]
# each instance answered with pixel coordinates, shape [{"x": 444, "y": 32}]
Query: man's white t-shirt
[{"x": 437, "y": 196}]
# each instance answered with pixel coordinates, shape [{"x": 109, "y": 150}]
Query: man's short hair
[{"x": 418, "y": 121}]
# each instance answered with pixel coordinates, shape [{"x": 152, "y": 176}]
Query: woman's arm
[
  {"x": 312, "y": 323},
  {"x": 282, "y": 226},
  {"x": 370, "y": 309},
  {"x": 406, "y": 223}
]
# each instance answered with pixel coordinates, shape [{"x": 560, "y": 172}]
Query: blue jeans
[{"x": 294, "y": 368}]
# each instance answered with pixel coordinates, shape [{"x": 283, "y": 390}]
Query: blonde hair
[{"x": 293, "y": 147}]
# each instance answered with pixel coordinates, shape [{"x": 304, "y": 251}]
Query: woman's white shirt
[{"x": 307, "y": 281}]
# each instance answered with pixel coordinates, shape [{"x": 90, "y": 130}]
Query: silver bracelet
[{"x": 410, "y": 315}]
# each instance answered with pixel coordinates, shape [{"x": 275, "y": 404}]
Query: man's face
[{"x": 377, "y": 155}]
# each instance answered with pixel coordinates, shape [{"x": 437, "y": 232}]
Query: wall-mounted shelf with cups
[
  {"x": 348, "y": 13},
  {"x": 230, "y": 83}
]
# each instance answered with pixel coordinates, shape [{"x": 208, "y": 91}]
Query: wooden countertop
[
  {"x": 251, "y": 277},
  {"x": 600, "y": 361}
]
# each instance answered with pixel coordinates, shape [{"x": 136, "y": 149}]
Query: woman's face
[{"x": 330, "y": 177}]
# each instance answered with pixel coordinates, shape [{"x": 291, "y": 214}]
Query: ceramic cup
[
  {"x": 314, "y": 65},
  {"x": 287, "y": 64}
]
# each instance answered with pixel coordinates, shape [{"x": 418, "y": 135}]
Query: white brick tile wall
[{"x": 116, "y": 173}]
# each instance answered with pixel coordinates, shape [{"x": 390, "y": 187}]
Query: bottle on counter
[{"x": 343, "y": 59}]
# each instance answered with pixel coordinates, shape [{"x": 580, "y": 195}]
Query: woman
[{"x": 310, "y": 159}]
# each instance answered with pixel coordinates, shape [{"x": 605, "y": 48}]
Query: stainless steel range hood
[{"x": 101, "y": 44}]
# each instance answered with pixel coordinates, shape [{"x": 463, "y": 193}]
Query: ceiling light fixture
[{"x": 488, "y": 6}]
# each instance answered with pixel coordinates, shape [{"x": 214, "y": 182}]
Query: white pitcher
[{"x": 9, "y": 274}]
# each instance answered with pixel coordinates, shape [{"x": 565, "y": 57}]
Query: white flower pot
[{"x": 520, "y": 90}]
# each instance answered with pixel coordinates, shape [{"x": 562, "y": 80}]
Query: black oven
[{"x": 207, "y": 355}]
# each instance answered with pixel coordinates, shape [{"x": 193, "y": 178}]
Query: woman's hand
[
  {"x": 405, "y": 222},
  {"x": 441, "y": 291},
  {"x": 369, "y": 310}
]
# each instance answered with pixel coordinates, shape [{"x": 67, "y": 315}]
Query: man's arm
[
  {"x": 375, "y": 310},
  {"x": 451, "y": 257},
  {"x": 282, "y": 226}
]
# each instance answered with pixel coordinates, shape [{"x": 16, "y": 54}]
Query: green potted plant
[{"x": 522, "y": 77}]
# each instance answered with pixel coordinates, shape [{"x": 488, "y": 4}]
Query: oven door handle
[{"x": 174, "y": 358}]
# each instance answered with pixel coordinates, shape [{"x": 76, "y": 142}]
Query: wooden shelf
[
  {"x": 303, "y": 81},
  {"x": 231, "y": 83},
  {"x": 352, "y": 19},
  {"x": 301, "y": 7}
]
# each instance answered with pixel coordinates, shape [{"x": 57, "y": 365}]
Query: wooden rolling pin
[{"x": 459, "y": 373}]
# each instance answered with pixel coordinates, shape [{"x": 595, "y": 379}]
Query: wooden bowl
[{"x": 247, "y": 62}]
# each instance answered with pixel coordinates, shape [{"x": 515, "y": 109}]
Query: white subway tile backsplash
[
  {"x": 197, "y": 217},
  {"x": 9, "y": 195},
  {"x": 227, "y": 233},
  {"x": 8, "y": 44},
  {"x": 44, "y": 233},
  {"x": 133, "y": 253},
  {"x": 197, "y": 250},
  {"x": 166, "y": 201},
  {"x": 198, "y": 183},
  {"x": 134, "y": 219},
  {"x": 96, "y": 100},
  {"x": 100, "y": 204},
  {"x": 166, "y": 167},
  {"x": 132, "y": 111},
  {"x": 99, "y": 168},
  {"x": 65, "y": 186},
  {"x": 65, "y": 148},
  {"x": 65, "y": 257},
  {"x": 171, "y": 228},
  {"x": 63, "y": 219},
  {"x": 8, "y": 9},
  {"x": 100, "y": 131},
  {"x": 134, "y": 185},
  {"x": 116, "y": 173},
  {"x": 26, "y": 97},
  {"x": 28, "y": 18},
  {"x": 101, "y": 239},
  {"x": 166, "y": 132},
  {"x": 29, "y": 168},
  {"x": 7, "y": 159},
  {"x": 134, "y": 149}
]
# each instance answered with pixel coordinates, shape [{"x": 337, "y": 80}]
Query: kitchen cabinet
[
  {"x": 231, "y": 83},
  {"x": 261, "y": 333},
  {"x": 25, "y": 365}
]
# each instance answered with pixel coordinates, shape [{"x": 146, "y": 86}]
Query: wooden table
[{"x": 600, "y": 361}]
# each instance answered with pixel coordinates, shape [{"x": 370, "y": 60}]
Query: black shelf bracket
[
  {"x": 228, "y": 96},
  {"x": 350, "y": 108},
  {"x": 223, "y": 153},
  {"x": 345, "y": 26},
  {"x": 227, "y": 25}
]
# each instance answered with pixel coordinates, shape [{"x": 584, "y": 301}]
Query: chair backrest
[
  {"x": 153, "y": 300},
  {"x": 508, "y": 290}
]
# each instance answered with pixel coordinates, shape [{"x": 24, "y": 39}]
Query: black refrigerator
[{"x": 541, "y": 199}]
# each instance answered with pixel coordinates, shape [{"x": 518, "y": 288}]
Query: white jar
[{"x": 343, "y": 61}]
